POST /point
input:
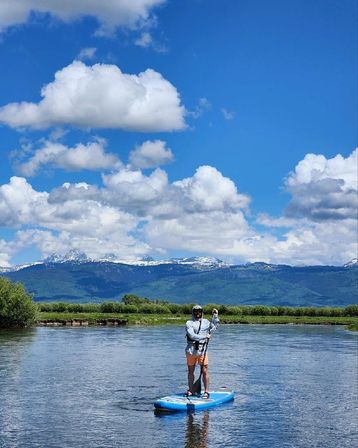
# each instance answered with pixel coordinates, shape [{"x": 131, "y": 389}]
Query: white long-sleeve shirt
[{"x": 193, "y": 334}]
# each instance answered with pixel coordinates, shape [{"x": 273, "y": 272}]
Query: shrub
[
  {"x": 59, "y": 307},
  {"x": 234, "y": 310},
  {"x": 44, "y": 307},
  {"x": 260, "y": 310},
  {"x": 16, "y": 306},
  {"x": 132, "y": 299},
  {"x": 311, "y": 311},
  {"x": 90, "y": 308},
  {"x": 186, "y": 308},
  {"x": 107, "y": 307},
  {"x": 351, "y": 310},
  {"x": 174, "y": 308},
  {"x": 131, "y": 309}
]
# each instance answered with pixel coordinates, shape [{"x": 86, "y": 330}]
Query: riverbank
[{"x": 117, "y": 319}]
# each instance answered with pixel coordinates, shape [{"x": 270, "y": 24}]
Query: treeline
[{"x": 131, "y": 304}]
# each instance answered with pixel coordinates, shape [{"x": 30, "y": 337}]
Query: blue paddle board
[{"x": 180, "y": 402}]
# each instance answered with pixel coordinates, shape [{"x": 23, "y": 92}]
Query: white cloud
[
  {"x": 150, "y": 154},
  {"x": 324, "y": 189},
  {"x": 5, "y": 254},
  {"x": 133, "y": 214},
  {"x": 49, "y": 242},
  {"x": 87, "y": 53},
  {"x": 314, "y": 168},
  {"x": 145, "y": 40},
  {"x": 209, "y": 190},
  {"x": 20, "y": 203},
  {"x": 84, "y": 223},
  {"x": 101, "y": 96},
  {"x": 152, "y": 196},
  {"x": 110, "y": 14},
  {"x": 81, "y": 157},
  {"x": 203, "y": 106},
  {"x": 204, "y": 232},
  {"x": 134, "y": 192},
  {"x": 228, "y": 115}
]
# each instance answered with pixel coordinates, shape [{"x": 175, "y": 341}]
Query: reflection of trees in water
[{"x": 197, "y": 430}]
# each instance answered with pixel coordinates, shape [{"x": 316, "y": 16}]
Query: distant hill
[{"x": 204, "y": 280}]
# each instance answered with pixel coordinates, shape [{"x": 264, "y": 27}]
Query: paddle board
[{"x": 180, "y": 402}]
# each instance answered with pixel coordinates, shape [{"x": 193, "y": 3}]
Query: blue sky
[{"x": 169, "y": 128}]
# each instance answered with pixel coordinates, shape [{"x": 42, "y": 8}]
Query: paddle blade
[{"x": 197, "y": 386}]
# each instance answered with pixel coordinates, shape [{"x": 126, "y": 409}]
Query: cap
[{"x": 197, "y": 308}]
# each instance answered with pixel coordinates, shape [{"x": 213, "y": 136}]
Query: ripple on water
[{"x": 91, "y": 387}]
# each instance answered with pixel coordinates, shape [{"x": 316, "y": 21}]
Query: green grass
[{"x": 167, "y": 319}]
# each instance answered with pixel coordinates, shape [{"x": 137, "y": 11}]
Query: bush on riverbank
[
  {"x": 16, "y": 306},
  {"x": 158, "y": 307}
]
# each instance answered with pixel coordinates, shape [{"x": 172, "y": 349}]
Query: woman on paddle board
[{"x": 198, "y": 332}]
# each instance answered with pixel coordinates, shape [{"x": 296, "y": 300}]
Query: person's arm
[
  {"x": 214, "y": 323},
  {"x": 191, "y": 333}
]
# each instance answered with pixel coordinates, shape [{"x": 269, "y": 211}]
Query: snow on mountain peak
[
  {"x": 72, "y": 255},
  {"x": 352, "y": 263}
]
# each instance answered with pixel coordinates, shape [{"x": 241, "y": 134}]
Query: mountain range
[{"x": 78, "y": 279}]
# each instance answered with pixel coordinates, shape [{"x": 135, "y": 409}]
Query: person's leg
[
  {"x": 191, "y": 370},
  {"x": 206, "y": 378},
  {"x": 191, "y": 361}
]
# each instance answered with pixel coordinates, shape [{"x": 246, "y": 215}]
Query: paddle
[{"x": 197, "y": 384}]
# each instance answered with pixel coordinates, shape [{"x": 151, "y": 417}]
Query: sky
[{"x": 169, "y": 128}]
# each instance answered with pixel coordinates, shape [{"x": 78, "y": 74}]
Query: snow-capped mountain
[
  {"x": 74, "y": 277},
  {"x": 76, "y": 256},
  {"x": 80, "y": 257},
  {"x": 73, "y": 255},
  {"x": 18, "y": 267},
  {"x": 352, "y": 263}
]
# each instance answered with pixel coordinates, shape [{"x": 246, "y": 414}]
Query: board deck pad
[{"x": 180, "y": 402}]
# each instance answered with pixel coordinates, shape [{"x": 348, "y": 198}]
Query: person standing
[{"x": 198, "y": 333}]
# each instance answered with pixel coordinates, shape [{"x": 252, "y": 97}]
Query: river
[{"x": 94, "y": 387}]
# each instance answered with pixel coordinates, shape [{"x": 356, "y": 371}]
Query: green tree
[
  {"x": 132, "y": 299},
  {"x": 16, "y": 306}
]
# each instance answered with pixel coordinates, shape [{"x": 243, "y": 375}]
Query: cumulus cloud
[
  {"x": 212, "y": 232},
  {"x": 153, "y": 196},
  {"x": 150, "y": 154},
  {"x": 83, "y": 223},
  {"x": 20, "y": 203},
  {"x": 74, "y": 192},
  {"x": 91, "y": 156},
  {"x": 209, "y": 190},
  {"x": 101, "y": 96},
  {"x": 135, "y": 192},
  {"x": 110, "y": 14},
  {"x": 5, "y": 254},
  {"x": 133, "y": 214},
  {"x": 48, "y": 242},
  {"x": 324, "y": 189}
]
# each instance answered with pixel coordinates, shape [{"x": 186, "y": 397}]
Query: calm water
[{"x": 95, "y": 387}]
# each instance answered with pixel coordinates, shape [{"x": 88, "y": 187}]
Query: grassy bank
[{"x": 168, "y": 319}]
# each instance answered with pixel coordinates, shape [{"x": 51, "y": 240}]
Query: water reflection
[
  {"x": 95, "y": 387},
  {"x": 197, "y": 430}
]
